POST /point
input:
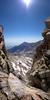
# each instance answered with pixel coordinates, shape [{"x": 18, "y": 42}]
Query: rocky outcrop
[
  {"x": 40, "y": 73},
  {"x": 5, "y": 64},
  {"x": 5, "y": 67},
  {"x": 46, "y": 41}
]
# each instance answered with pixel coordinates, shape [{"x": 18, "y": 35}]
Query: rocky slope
[{"x": 21, "y": 64}]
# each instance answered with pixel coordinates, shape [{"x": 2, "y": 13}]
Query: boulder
[{"x": 23, "y": 91}]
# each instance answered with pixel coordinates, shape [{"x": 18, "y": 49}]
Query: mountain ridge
[{"x": 25, "y": 47}]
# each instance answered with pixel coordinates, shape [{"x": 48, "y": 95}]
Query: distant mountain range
[{"x": 25, "y": 48}]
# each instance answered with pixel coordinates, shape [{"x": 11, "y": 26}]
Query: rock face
[
  {"x": 40, "y": 75},
  {"x": 5, "y": 68},
  {"x": 46, "y": 41},
  {"x": 4, "y": 61},
  {"x": 2, "y": 44}
]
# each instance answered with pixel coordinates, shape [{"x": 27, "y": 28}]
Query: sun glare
[{"x": 27, "y": 2}]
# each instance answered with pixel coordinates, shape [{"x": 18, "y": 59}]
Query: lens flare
[{"x": 27, "y": 2}]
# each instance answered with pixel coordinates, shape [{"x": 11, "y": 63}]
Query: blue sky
[{"x": 23, "y": 24}]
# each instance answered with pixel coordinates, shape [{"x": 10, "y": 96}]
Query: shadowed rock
[{"x": 40, "y": 72}]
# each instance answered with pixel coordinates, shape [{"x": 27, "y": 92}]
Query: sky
[{"x": 21, "y": 23}]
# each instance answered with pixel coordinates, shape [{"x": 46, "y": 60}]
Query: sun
[{"x": 27, "y": 2}]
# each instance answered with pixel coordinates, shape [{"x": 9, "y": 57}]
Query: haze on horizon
[{"x": 21, "y": 23}]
